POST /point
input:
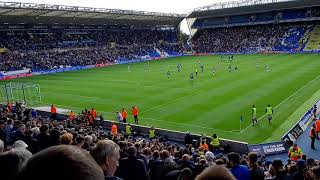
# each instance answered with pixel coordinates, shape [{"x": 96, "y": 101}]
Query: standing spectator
[
  {"x": 209, "y": 158},
  {"x": 73, "y": 163},
  {"x": 316, "y": 172},
  {"x": 114, "y": 129},
  {"x": 124, "y": 115},
  {"x": 132, "y": 168},
  {"x": 94, "y": 113},
  {"x": 8, "y": 129},
  {"x": 160, "y": 168},
  {"x": 1, "y": 146},
  {"x": 215, "y": 142},
  {"x": 72, "y": 116},
  {"x": 152, "y": 132},
  {"x": 135, "y": 114},
  {"x": 44, "y": 137},
  {"x": 301, "y": 165},
  {"x": 188, "y": 138},
  {"x": 140, "y": 154},
  {"x": 277, "y": 171},
  {"x": 66, "y": 138},
  {"x": 313, "y": 135},
  {"x": 19, "y": 134},
  {"x": 186, "y": 162},
  {"x": 241, "y": 172},
  {"x": 215, "y": 173},
  {"x": 256, "y": 172},
  {"x": 317, "y": 127},
  {"x": 53, "y": 112},
  {"x": 128, "y": 130},
  {"x": 295, "y": 152},
  {"x": 314, "y": 111},
  {"x": 80, "y": 141},
  {"x": 3, "y": 135},
  {"x": 107, "y": 155},
  {"x": 119, "y": 117},
  {"x": 34, "y": 114}
]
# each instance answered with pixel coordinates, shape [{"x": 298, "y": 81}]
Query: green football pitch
[{"x": 208, "y": 104}]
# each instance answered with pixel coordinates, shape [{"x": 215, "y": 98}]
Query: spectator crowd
[
  {"x": 35, "y": 147},
  {"x": 246, "y": 39},
  {"x": 44, "y": 51}
]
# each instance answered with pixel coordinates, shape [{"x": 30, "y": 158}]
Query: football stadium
[{"x": 128, "y": 94}]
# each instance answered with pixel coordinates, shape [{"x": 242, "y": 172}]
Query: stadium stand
[
  {"x": 91, "y": 37},
  {"x": 41, "y": 51},
  {"x": 314, "y": 39},
  {"x": 244, "y": 39},
  {"x": 34, "y": 147}
]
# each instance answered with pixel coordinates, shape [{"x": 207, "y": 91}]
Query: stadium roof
[
  {"x": 250, "y": 6},
  {"x": 16, "y": 13}
]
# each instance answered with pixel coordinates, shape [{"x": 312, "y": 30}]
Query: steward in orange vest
[{"x": 313, "y": 135}]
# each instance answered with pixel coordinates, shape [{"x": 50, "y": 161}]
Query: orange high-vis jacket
[
  {"x": 71, "y": 115},
  {"x": 205, "y": 146},
  {"x": 53, "y": 109},
  {"x": 135, "y": 111},
  {"x": 317, "y": 125},
  {"x": 94, "y": 113},
  {"x": 114, "y": 129},
  {"x": 124, "y": 114},
  {"x": 311, "y": 134}
]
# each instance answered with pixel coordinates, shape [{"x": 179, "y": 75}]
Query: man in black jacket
[{"x": 132, "y": 168}]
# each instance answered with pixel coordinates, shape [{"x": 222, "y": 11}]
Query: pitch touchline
[
  {"x": 283, "y": 101},
  {"x": 191, "y": 125}
]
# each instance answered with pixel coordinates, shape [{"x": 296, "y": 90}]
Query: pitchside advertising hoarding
[
  {"x": 268, "y": 149},
  {"x": 301, "y": 125}
]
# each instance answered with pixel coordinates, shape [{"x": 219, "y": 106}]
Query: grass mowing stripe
[{"x": 284, "y": 101}]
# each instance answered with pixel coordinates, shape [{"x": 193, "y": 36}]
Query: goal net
[{"x": 27, "y": 92}]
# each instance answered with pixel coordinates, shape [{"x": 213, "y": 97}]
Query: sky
[{"x": 167, "y": 6}]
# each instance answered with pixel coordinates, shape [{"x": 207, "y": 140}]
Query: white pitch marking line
[
  {"x": 191, "y": 125},
  {"x": 283, "y": 101}
]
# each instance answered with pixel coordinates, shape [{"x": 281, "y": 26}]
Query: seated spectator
[
  {"x": 132, "y": 168},
  {"x": 256, "y": 172},
  {"x": 9, "y": 165},
  {"x": 241, "y": 172},
  {"x": 209, "y": 158},
  {"x": 215, "y": 173},
  {"x": 1, "y": 146},
  {"x": 66, "y": 139},
  {"x": 72, "y": 163},
  {"x": 185, "y": 174},
  {"x": 316, "y": 172},
  {"x": 107, "y": 155},
  {"x": 277, "y": 171}
]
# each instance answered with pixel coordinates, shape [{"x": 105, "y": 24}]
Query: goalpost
[{"x": 14, "y": 91}]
